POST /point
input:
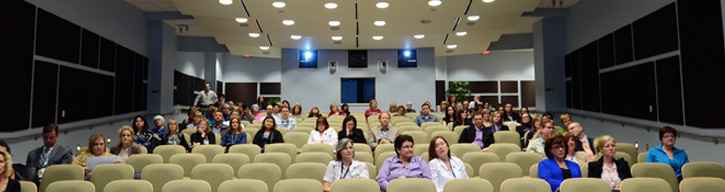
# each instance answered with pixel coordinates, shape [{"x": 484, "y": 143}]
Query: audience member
[
  {"x": 477, "y": 133},
  {"x": 160, "y": 127},
  {"x": 409, "y": 107},
  {"x": 323, "y": 133},
  {"x": 335, "y": 111},
  {"x": 275, "y": 110},
  {"x": 667, "y": 153},
  {"x": 188, "y": 121},
  {"x": 350, "y": 130},
  {"x": 450, "y": 116},
  {"x": 565, "y": 121},
  {"x": 174, "y": 137},
  {"x": 443, "y": 106},
  {"x": 475, "y": 103},
  {"x": 203, "y": 135},
  {"x": 206, "y": 98},
  {"x": 404, "y": 165},
  {"x": 556, "y": 169},
  {"x": 524, "y": 110},
  {"x": 571, "y": 153},
  {"x": 197, "y": 120},
  {"x": 268, "y": 134},
  {"x": 142, "y": 135},
  {"x": 297, "y": 112},
  {"x": 96, "y": 148},
  {"x": 126, "y": 147},
  {"x": 344, "y": 166},
  {"x": 535, "y": 131},
  {"x": 345, "y": 108},
  {"x": 526, "y": 126},
  {"x": 218, "y": 126},
  {"x": 425, "y": 115},
  {"x": 611, "y": 170},
  {"x": 49, "y": 154},
  {"x": 226, "y": 111},
  {"x": 261, "y": 102},
  {"x": 486, "y": 118},
  {"x": 537, "y": 145},
  {"x": 314, "y": 112},
  {"x": 462, "y": 106},
  {"x": 234, "y": 135},
  {"x": 462, "y": 119},
  {"x": 400, "y": 112},
  {"x": 5, "y": 147},
  {"x": 583, "y": 143},
  {"x": 497, "y": 123},
  {"x": 509, "y": 113},
  {"x": 452, "y": 100},
  {"x": 373, "y": 110},
  {"x": 256, "y": 114},
  {"x": 7, "y": 184},
  {"x": 500, "y": 109},
  {"x": 487, "y": 105},
  {"x": 384, "y": 133},
  {"x": 393, "y": 108},
  {"x": 443, "y": 166},
  {"x": 285, "y": 121},
  {"x": 432, "y": 107}
]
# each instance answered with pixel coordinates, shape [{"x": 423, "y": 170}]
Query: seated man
[
  {"x": 383, "y": 134},
  {"x": 425, "y": 115},
  {"x": 49, "y": 154},
  {"x": 477, "y": 133}
]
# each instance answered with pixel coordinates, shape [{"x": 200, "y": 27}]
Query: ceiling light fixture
[
  {"x": 225, "y": 2},
  {"x": 288, "y": 22},
  {"x": 488, "y": 1},
  {"x": 420, "y": 36},
  {"x": 379, "y": 23},
  {"x": 377, "y": 37},
  {"x": 473, "y": 17},
  {"x": 296, "y": 37},
  {"x": 330, "y": 5},
  {"x": 451, "y": 46},
  {"x": 434, "y": 3},
  {"x": 264, "y": 47},
  {"x": 382, "y": 5},
  {"x": 462, "y": 33},
  {"x": 334, "y": 23},
  {"x": 278, "y": 4},
  {"x": 254, "y": 35},
  {"x": 336, "y": 38},
  {"x": 241, "y": 20}
]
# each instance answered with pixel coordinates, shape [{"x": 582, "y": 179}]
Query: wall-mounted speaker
[
  {"x": 332, "y": 66},
  {"x": 383, "y": 66}
]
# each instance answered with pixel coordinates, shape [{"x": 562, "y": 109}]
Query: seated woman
[
  {"x": 297, "y": 112},
  {"x": 400, "y": 112},
  {"x": 6, "y": 165},
  {"x": 96, "y": 148},
  {"x": 126, "y": 147},
  {"x": 450, "y": 116},
  {"x": 268, "y": 134},
  {"x": 203, "y": 135},
  {"x": 174, "y": 137},
  {"x": 534, "y": 132},
  {"x": 667, "y": 153},
  {"x": 335, "y": 111},
  {"x": 497, "y": 122},
  {"x": 195, "y": 120},
  {"x": 611, "y": 170},
  {"x": 393, "y": 108},
  {"x": 405, "y": 165},
  {"x": 142, "y": 135},
  {"x": 345, "y": 108},
  {"x": 373, "y": 110},
  {"x": 234, "y": 135},
  {"x": 256, "y": 114},
  {"x": 323, "y": 133},
  {"x": 351, "y": 131},
  {"x": 524, "y": 127},
  {"x": 314, "y": 112},
  {"x": 344, "y": 166},
  {"x": 443, "y": 166},
  {"x": 555, "y": 169},
  {"x": 462, "y": 119}
]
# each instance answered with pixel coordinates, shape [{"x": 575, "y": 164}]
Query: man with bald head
[{"x": 582, "y": 141}]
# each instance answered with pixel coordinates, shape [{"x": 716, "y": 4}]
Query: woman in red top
[
  {"x": 335, "y": 111},
  {"x": 373, "y": 109}
]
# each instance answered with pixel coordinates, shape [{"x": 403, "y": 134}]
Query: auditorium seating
[
  {"x": 411, "y": 184},
  {"x": 476, "y": 159},
  {"x": 469, "y": 184},
  {"x": 166, "y": 151},
  {"x": 382, "y": 148},
  {"x": 419, "y": 149},
  {"x": 160, "y": 174},
  {"x": 703, "y": 169},
  {"x": 56, "y": 173},
  {"x": 630, "y": 150},
  {"x": 270, "y": 173},
  {"x": 128, "y": 185},
  {"x": 298, "y": 185},
  {"x": 299, "y": 139},
  {"x": 525, "y": 160},
  {"x": 235, "y": 160},
  {"x": 585, "y": 184},
  {"x": 497, "y": 172},
  {"x": 656, "y": 170},
  {"x": 104, "y": 174},
  {"x": 249, "y": 185},
  {"x": 503, "y": 149},
  {"x": 319, "y": 147},
  {"x": 289, "y": 149},
  {"x": 316, "y": 157},
  {"x": 451, "y": 137},
  {"x": 645, "y": 184},
  {"x": 315, "y": 171},
  {"x": 511, "y": 137},
  {"x": 139, "y": 161},
  {"x": 525, "y": 185},
  {"x": 379, "y": 161},
  {"x": 187, "y": 185},
  {"x": 71, "y": 185},
  {"x": 364, "y": 157},
  {"x": 460, "y": 149},
  {"x": 358, "y": 185},
  {"x": 702, "y": 184},
  {"x": 251, "y": 150},
  {"x": 187, "y": 161},
  {"x": 280, "y": 159},
  {"x": 27, "y": 186},
  {"x": 213, "y": 173}
]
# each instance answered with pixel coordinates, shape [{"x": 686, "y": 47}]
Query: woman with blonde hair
[
  {"x": 373, "y": 110},
  {"x": 173, "y": 136},
  {"x": 126, "y": 147},
  {"x": 335, "y": 111},
  {"x": 203, "y": 135},
  {"x": 96, "y": 148},
  {"x": 611, "y": 170},
  {"x": 392, "y": 108},
  {"x": 6, "y": 165}
]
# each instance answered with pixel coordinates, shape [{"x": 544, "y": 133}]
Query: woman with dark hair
[
  {"x": 323, "y": 133},
  {"x": 525, "y": 126},
  {"x": 667, "y": 153},
  {"x": 345, "y": 108},
  {"x": 142, "y": 135},
  {"x": 268, "y": 134},
  {"x": 350, "y": 131},
  {"x": 443, "y": 166},
  {"x": 462, "y": 119},
  {"x": 556, "y": 168},
  {"x": 314, "y": 112},
  {"x": 611, "y": 170},
  {"x": 297, "y": 112},
  {"x": 404, "y": 165},
  {"x": 344, "y": 166},
  {"x": 234, "y": 134},
  {"x": 261, "y": 102},
  {"x": 497, "y": 122},
  {"x": 450, "y": 117},
  {"x": 400, "y": 112}
]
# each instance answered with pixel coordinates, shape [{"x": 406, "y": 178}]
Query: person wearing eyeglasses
[
  {"x": 556, "y": 168},
  {"x": 344, "y": 166},
  {"x": 611, "y": 170},
  {"x": 404, "y": 165},
  {"x": 667, "y": 153}
]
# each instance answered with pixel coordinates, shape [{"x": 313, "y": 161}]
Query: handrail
[{"x": 66, "y": 130}]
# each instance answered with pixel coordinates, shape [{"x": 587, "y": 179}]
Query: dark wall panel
[
  {"x": 567, "y": 65},
  {"x": 107, "y": 55},
  {"x": 89, "y": 49},
  {"x": 509, "y": 87},
  {"x": 589, "y": 71},
  {"x": 576, "y": 81},
  {"x": 138, "y": 82},
  {"x": 569, "y": 101},
  {"x": 440, "y": 91},
  {"x": 493, "y": 100},
  {"x": 16, "y": 53},
  {"x": 482, "y": 86},
  {"x": 245, "y": 92},
  {"x": 124, "y": 80},
  {"x": 219, "y": 87},
  {"x": 514, "y": 100},
  {"x": 57, "y": 38},
  {"x": 44, "y": 89},
  {"x": 669, "y": 93},
  {"x": 84, "y": 95},
  {"x": 623, "y": 45},
  {"x": 606, "y": 51},
  {"x": 630, "y": 92},
  {"x": 269, "y": 88},
  {"x": 528, "y": 93},
  {"x": 655, "y": 33}
]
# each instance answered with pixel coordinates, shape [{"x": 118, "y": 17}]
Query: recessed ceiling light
[
  {"x": 462, "y": 33},
  {"x": 382, "y": 5},
  {"x": 379, "y": 23},
  {"x": 434, "y": 2},
  {"x": 241, "y": 19},
  {"x": 336, "y": 38},
  {"x": 278, "y": 4},
  {"x": 378, "y": 37},
  {"x": 473, "y": 17},
  {"x": 225, "y": 2},
  {"x": 296, "y": 37},
  {"x": 451, "y": 46},
  {"x": 334, "y": 23},
  {"x": 264, "y": 47},
  {"x": 254, "y": 35},
  {"x": 419, "y": 36},
  {"x": 288, "y": 22},
  {"x": 487, "y": 1},
  {"x": 330, "y": 5}
]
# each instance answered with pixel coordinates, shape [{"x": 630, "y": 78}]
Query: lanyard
[
  {"x": 44, "y": 158},
  {"x": 342, "y": 167},
  {"x": 173, "y": 142},
  {"x": 234, "y": 138},
  {"x": 452, "y": 172}
]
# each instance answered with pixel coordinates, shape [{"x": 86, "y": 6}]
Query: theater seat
[
  {"x": 525, "y": 160},
  {"x": 71, "y": 185},
  {"x": 213, "y": 173},
  {"x": 372, "y": 171},
  {"x": 209, "y": 151},
  {"x": 450, "y": 136},
  {"x": 467, "y": 184},
  {"x": 460, "y": 149},
  {"x": 630, "y": 150},
  {"x": 316, "y": 157},
  {"x": 364, "y": 157},
  {"x": 280, "y": 159},
  {"x": 642, "y": 157},
  {"x": 160, "y": 174},
  {"x": 187, "y": 185},
  {"x": 129, "y": 185},
  {"x": 476, "y": 159},
  {"x": 511, "y": 137},
  {"x": 525, "y": 185},
  {"x": 358, "y": 185},
  {"x": 503, "y": 149},
  {"x": 104, "y": 174},
  {"x": 270, "y": 173},
  {"x": 382, "y": 148},
  {"x": 235, "y": 160},
  {"x": 315, "y": 171},
  {"x": 188, "y": 161},
  {"x": 411, "y": 184},
  {"x": 61, "y": 173},
  {"x": 419, "y": 149},
  {"x": 298, "y": 185},
  {"x": 27, "y": 186},
  {"x": 287, "y": 148},
  {"x": 299, "y": 139},
  {"x": 703, "y": 169},
  {"x": 497, "y": 172},
  {"x": 419, "y": 136},
  {"x": 702, "y": 184},
  {"x": 251, "y": 150},
  {"x": 166, "y": 151},
  {"x": 362, "y": 147},
  {"x": 139, "y": 161},
  {"x": 656, "y": 170},
  {"x": 319, "y": 147},
  {"x": 585, "y": 184},
  {"x": 645, "y": 184},
  {"x": 381, "y": 159},
  {"x": 249, "y": 185},
  {"x": 534, "y": 171}
]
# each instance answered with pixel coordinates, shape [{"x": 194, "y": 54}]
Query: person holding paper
[{"x": 96, "y": 148}]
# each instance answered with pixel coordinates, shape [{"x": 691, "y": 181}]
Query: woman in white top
[
  {"x": 442, "y": 165},
  {"x": 344, "y": 166},
  {"x": 323, "y": 133}
]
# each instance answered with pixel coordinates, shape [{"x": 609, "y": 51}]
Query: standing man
[
  {"x": 477, "y": 133},
  {"x": 425, "y": 115},
  {"x": 206, "y": 98},
  {"x": 47, "y": 155}
]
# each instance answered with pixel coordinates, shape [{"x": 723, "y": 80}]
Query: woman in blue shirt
[
  {"x": 667, "y": 153},
  {"x": 556, "y": 168},
  {"x": 234, "y": 135}
]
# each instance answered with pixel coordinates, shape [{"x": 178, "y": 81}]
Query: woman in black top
[
  {"x": 450, "y": 115},
  {"x": 345, "y": 108},
  {"x": 203, "y": 135},
  {"x": 268, "y": 134},
  {"x": 6, "y": 164},
  {"x": 351, "y": 131}
]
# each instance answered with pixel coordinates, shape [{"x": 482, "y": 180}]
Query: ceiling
[{"x": 403, "y": 19}]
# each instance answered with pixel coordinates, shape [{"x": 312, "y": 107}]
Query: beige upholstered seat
[
  {"x": 27, "y": 186},
  {"x": 460, "y": 149},
  {"x": 166, "y": 151},
  {"x": 139, "y": 161},
  {"x": 525, "y": 160},
  {"x": 251, "y": 150},
  {"x": 364, "y": 157},
  {"x": 656, "y": 170},
  {"x": 450, "y": 136},
  {"x": 382, "y": 158},
  {"x": 630, "y": 150},
  {"x": 298, "y": 185},
  {"x": 525, "y": 185},
  {"x": 511, "y": 137},
  {"x": 411, "y": 184},
  {"x": 357, "y": 185},
  {"x": 503, "y": 149},
  {"x": 467, "y": 185},
  {"x": 209, "y": 151},
  {"x": 129, "y": 185},
  {"x": 187, "y": 185},
  {"x": 702, "y": 184},
  {"x": 160, "y": 174},
  {"x": 236, "y": 160},
  {"x": 319, "y": 147},
  {"x": 382, "y": 148},
  {"x": 213, "y": 173},
  {"x": 61, "y": 173},
  {"x": 314, "y": 171},
  {"x": 71, "y": 185},
  {"x": 270, "y": 173},
  {"x": 703, "y": 169},
  {"x": 188, "y": 161},
  {"x": 497, "y": 172},
  {"x": 420, "y": 148},
  {"x": 317, "y": 157},
  {"x": 299, "y": 139},
  {"x": 645, "y": 184},
  {"x": 280, "y": 159},
  {"x": 287, "y": 148},
  {"x": 585, "y": 184},
  {"x": 476, "y": 159},
  {"x": 104, "y": 174},
  {"x": 249, "y": 185}
]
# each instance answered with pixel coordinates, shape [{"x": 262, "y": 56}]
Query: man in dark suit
[
  {"x": 47, "y": 155},
  {"x": 582, "y": 139},
  {"x": 477, "y": 133}
]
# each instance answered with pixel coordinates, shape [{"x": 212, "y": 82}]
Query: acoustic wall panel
[
  {"x": 90, "y": 49},
  {"x": 528, "y": 94},
  {"x": 589, "y": 75},
  {"x": 107, "y": 55},
  {"x": 514, "y": 100},
  {"x": 655, "y": 33},
  {"x": 606, "y": 51},
  {"x": 124, "y": 80},
  {"x": 623, "y": 50},
  {"x": 669, "y": 93},
  {"x": 567, "y": 65},
  {"x": 630, "y": 92},
  {"x": 245, "y": 92},
  {"x": 138, "y": 72},
  {"x": 270, "y": 88},
  {"x": 57, "y": 38},
  {"x": 569, "y": 101},
  {"x": 44, "y": 93},
  {"x": 84, "y": 95},
  {"x": 480, "y": 87},
  {"x": 576, "y": 81},
  {"x": 16, "y": 52}
]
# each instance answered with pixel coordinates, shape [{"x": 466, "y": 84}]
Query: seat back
[
  {"x": 525, "y": 185},
  {"x": 280, "y": 159},
  {"x": 287, "y": 148},
  {"x": 188, "y": 161},
  {"x": 534, "y": 171},
  {"x": 251, "y": 150},
  {"x": 476, "y": 159},
  {"x": 467, "y": 184},
  {"x": 419, "y": 136},
  {"x": 525, "y": 160},
  {"x": 315, "y": 157},
  {"x": 585, "y": 184},
  {"x": 460, "y": 149},
  {"x": 645, "y": 184},
  {"x": 630, "y": 150},
  {"x": 419, "y": 149},
  {"x": 319, "y": 147},
  {"x": 298, "y": 185},
  {"x": 166, "y": 151},
  {"x": 315, "y": 171},
  {"x": 431, "y": 129},
  {"x": 372, "y": 171},
  {"x": 411, "y": 184},
  {"x": 187, "y": 131},
  {"x": 302, "y": 129},
  {"x": 700, "y": 184},
  {"x": 299, "y": 139},
  {"x": 407, "y": 128},
  {"x": 382, "y": 148},
  {"x": 511, "y": 137},
  {"x": 364, "y": 157},
  {"x": 71, "y": 185},
  {"x": 61, "y": 173},
  {"x": 362, "y": 147},
  {"x": 27, "y": 186},
  {"x": 104, "y": 174},
  {"x": 642, "y": 157},
  {"x": 129, "y": 185},
  {"x": 503, "y": 149},
  {"x": 359, "y": 185},
  {"x": 459, "y": 129},
  {"x": 270, "y": 173},
  {"x": 139, "y": 161},
  {"x": 425, "y": 125},
  {"x": 249, "y": 185},
  {"x": 703, "y": 169},
  {"x": 379, "y": 161},
  {"x": 209, "y": 151},
  {"x": 450, "y": 136},
  {"x": 213, "y": 173},
  {"x": 584, "y": 167},
  {"x": 187, "y": 185},
  {"x": 497, "y": 172},
  {"x": 469, "y": 170},
  {"x": 160, "y": 174},
  {"x": 235, "y": 160},
  {"x": 656, "y": 170}
]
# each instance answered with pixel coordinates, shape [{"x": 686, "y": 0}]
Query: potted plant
[{"x": 460, "y": 90}]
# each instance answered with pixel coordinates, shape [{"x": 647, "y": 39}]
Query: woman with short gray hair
[{"x": 344, "y": 166}]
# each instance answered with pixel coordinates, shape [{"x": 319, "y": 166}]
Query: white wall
[
  {"x": 499, "y": 65},
  {"x": 190, "y": 63},
  {"x": 236, "y": 68}
]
